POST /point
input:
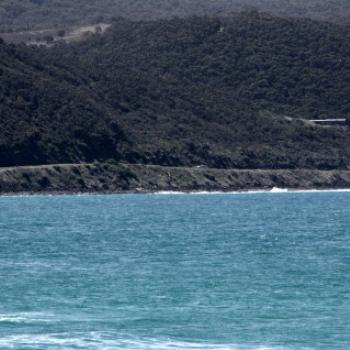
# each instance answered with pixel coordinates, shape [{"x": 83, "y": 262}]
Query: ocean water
[{"x": 224, "y": 272}]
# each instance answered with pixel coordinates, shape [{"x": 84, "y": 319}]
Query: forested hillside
[
  {"x": 49, "y": 115},
  {"x": 299, "y": 68},
  {"x": 39, "y": 14},
  {"x": 225, "y": 93}
]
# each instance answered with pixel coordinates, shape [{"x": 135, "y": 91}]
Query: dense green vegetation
[
  {"x": 297, "y": 67},
  {"x": 47, "y": 115},
  {"x": 181, "y": 92},
  {"x": 30, "y": 14}
]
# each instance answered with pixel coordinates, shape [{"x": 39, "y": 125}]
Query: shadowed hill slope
[
  {"x": 48, "y": 115},
  {"x": 182, "y": 92}
]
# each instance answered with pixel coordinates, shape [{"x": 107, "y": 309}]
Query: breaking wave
[
  {"x": 24, "y": 318},
  {"x": 273, "y": 190},
  {"x": 98, "y": 341}
]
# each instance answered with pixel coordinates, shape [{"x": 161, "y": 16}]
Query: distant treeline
[
  {"x": 228, "y": 93},
  {"x": 43, "y": 14}
]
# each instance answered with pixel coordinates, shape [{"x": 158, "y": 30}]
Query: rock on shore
[{"x": 116, "y": 178}]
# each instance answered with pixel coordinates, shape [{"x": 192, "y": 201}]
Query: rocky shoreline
[{"x": 128, "y": 178}]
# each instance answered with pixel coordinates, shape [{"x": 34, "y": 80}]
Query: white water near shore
[{"x": 274, "y": 190}]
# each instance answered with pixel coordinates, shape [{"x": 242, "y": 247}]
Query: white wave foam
[
  {"x": 279, "y": 190},
  {"x": 172, "y": 193},
  {"x": 13, "y": 319},
  {"x": 98, "y": 341},
  {"x": 24, "y": 318},
  {"x": 321, "y": 191},
  {"x": 270, "y": 191},
  {"x": 166, "y": 193}
]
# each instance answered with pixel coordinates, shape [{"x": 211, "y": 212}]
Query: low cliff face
[{"x": 109, "y": 178}]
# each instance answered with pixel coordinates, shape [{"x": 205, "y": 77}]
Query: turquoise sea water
[{"x": 239, "y": 271}]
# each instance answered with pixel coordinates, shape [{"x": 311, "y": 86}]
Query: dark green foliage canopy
[
  {"x": 47, "y": 115},
  {"x": 182, "y": 92}
]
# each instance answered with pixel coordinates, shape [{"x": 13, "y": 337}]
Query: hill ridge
[{"x": 181, "y": 92}]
